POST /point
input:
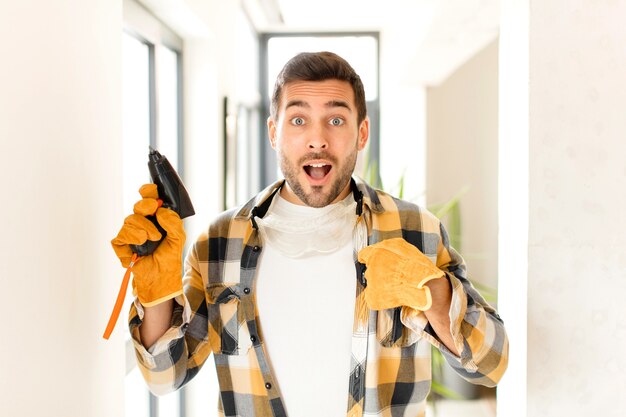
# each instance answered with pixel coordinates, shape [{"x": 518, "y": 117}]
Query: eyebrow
[{"x": 330, "y": 104}]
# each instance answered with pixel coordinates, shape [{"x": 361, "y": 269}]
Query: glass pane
[
  {"x": 360, "y": 51},
  {"x": 169, "y": 405},
  {"x": 137, "y": 396},
  {"x": 167, "y": 86},
  {"x": 136, "y": 118}
]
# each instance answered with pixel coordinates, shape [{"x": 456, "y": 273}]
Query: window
[
  {"x": 152, "y": 114},
  {"x": 242, "y": 119}
]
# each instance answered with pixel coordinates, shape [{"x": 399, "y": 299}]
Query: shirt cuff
[
  {"x": 416, "y": 320},
  {"x": 458, "y": 310},
  {"x": 181, "y": 317}
]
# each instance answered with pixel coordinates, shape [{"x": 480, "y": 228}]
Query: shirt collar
[{"x": 364, "y": 195}]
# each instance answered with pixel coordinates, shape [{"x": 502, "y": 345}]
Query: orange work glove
[
  {"x": 156, "y": 277},
  {"x": 396, "y": 275}
]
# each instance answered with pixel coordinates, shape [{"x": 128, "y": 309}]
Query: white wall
[
  {"x": 214, "y": 66},
  {"x": 60, "y": 127},
  {"x": 576, "y": 235},
  {"x": 203, "y": 128},
  {"x": 60, "y": 161},
  {"x": 462, "y": 154},
  {"x": 402, "y": 125}
]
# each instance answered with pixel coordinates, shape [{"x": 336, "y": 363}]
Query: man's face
[{"x": 317, "y": 137}]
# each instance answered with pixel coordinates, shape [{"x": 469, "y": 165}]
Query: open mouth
[{"x": 317, "y": 171}]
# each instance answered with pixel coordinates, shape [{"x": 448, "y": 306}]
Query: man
[{"x": 270, "y": 288}]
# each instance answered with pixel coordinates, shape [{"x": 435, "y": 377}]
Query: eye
[
  {"x": 337, "y": 121},
  {"x": 297, "y": 121}
]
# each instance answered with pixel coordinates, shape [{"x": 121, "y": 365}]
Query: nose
[{"x": 317, "y": 139}]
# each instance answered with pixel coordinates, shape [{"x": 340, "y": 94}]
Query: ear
[
  {"x": 364, "y": 133},
  {"x": 271, "y": 131}
]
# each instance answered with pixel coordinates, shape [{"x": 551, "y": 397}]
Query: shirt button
[
  {"x": 253, "y": 339},
  {"x": 255, "y": 248},
  {"x": 268, "y": 385},
  {"x": 246, "y": 290}
]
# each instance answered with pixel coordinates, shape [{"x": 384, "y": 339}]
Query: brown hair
[{"x": 319, "y": 66}]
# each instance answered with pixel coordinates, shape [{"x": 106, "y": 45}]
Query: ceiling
[{"x": 425, "y": 39}]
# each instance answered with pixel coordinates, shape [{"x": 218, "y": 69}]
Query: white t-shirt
[{"x": 306, "y": 315}]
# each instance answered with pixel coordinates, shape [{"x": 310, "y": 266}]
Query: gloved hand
[
  {"x": 396, "y": 275},
  {"x": 156, "y": 277}
]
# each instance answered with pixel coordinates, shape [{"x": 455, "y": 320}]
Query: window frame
[{"x": 141, "y": 24}]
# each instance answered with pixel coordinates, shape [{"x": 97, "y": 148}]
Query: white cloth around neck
[{"x": 298, "y": 231}]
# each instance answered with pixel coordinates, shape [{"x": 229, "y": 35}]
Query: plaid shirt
[{"x": 391, "y": 349}]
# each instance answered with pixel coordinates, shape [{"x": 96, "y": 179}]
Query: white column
[
  {"x": 576, "y": 326},
  {"x": 60, "y": 164},
  {"x": 513, "y": 200}
]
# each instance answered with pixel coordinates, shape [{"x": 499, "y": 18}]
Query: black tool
[{"x": 172, "y": 193}]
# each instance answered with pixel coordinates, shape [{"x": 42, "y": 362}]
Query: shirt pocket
[
  {"x": 228, "y": 330},
  {"x": 390, "y": 332}
]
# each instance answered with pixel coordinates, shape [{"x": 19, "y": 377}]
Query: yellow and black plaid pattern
[{"x": 391, "y": 367}]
